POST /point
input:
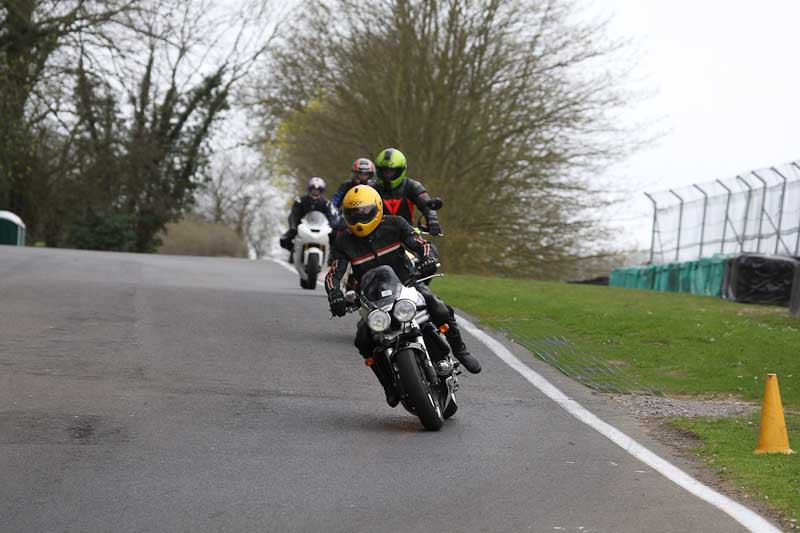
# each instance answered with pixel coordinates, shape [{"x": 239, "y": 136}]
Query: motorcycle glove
[
  {"x": 433, "y": 226},
  {"x": 337, "y": 303},
  {"x": 427, "y": 267}
]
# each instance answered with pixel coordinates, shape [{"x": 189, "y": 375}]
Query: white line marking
[
  {"x": 288, "y": 266},
  {"x": 284, "y": 264},
  {"x": 737, "y": 511}
]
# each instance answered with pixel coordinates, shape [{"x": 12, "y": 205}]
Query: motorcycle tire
[
  {"x": 425, "y": 400},
  {"x": 312, "y": 269}
]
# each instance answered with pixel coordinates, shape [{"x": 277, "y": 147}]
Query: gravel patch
[{"x": 659, "y": 406}]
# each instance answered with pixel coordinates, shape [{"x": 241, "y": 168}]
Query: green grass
[
  {"x": 727, "y": 444},
  {"x": 678, "y": 343}
]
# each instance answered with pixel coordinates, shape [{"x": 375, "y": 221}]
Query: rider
[
  {"x": 313, "y": 201},
  {"x": 362, "y": 173},
  {"x": 373, "y": 240},
  {"x": 400, "y": 193}
]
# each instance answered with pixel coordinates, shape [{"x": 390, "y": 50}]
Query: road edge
[{"x": 743, "y": 515}]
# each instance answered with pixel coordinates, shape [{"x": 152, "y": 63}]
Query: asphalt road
[{"x": 157, "y": 393}]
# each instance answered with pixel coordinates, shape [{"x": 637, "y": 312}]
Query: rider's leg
[
  {"x": 460, "y": 351},
  {"x": 287, "y": 242},
  {"x": 365, "y": 347},
  {"x": 442, "y": 313}
]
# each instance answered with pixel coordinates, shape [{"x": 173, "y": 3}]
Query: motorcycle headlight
[
  {"x": 404, "y": 310},
  {"x": 378, "y": 321}
]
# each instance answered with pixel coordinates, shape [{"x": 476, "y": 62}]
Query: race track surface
[{"x": 159, "y": 393}]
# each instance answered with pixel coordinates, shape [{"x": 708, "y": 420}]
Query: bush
[
  {"x": 101, "y": 229},
  {"x": 189, "y": 237}
]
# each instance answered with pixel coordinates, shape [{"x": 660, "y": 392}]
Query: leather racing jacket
[
  {"x": 401, "y": 200},
  {"x": 386, "y": 245},
  {"x": 304, "y": 205}
]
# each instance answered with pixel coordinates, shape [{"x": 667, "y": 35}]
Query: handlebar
[
  {"x": 351, "y": 308},
  {"x": 413, "y": 279}
]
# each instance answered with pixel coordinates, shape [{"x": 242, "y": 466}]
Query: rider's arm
[
  {"x": 414, "y": 242},
  {"x": 333, "y": 280},
  {"x": 297, "y": 213},
  {"x": 331, "y": 213},
  {"x": 420, "y": 197},
  {"x": 338, "y": 196}
]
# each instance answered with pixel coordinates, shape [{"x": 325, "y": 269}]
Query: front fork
[{"x": 422, "y": 356}]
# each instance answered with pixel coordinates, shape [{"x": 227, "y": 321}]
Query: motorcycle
[
  {"x": 311, "y": 248},
  {"x": 408, "y": 346}
]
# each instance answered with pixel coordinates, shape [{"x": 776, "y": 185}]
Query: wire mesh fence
[
  {"x": 581, "y": 365},
  {"x": 755, "y": 212}
]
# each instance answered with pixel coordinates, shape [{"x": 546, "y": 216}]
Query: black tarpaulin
[{"x": 761, "y": 279}]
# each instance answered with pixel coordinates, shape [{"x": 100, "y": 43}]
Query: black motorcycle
[{"x": 408, "y": 346}]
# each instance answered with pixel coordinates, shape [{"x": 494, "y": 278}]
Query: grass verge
[
  {"x": 680, "y": 344},
  {"x": 726, "y": 446}
]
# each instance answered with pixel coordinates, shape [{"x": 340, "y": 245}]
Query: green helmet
[{"x": 391, "y": 167}]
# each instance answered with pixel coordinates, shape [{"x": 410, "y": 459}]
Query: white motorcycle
[{"x": 311, "y": 248}]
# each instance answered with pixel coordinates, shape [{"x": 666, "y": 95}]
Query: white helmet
[{"x": 316, "y": 183}]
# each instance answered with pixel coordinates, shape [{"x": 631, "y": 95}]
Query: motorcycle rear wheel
[{"x": 419, "y": 392}]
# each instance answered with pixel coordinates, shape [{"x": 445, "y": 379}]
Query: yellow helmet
[{"x": 362, "y": 208}]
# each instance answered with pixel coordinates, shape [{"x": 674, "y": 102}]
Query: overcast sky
[{"x": 726, "y": 79}]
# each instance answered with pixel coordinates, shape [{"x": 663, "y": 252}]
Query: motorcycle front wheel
[
  {"x": 312, "y": 269},
  {"x": 419, "y": 391}
]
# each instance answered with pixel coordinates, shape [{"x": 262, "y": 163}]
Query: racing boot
[
  {"x": 392, "y": 398},
  {"x": 460, "y": 351}
]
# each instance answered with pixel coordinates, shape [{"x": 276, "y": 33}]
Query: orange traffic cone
[{"x": 772, "y": 436}]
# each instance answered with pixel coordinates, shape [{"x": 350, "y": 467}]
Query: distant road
[{"x": 158, "y": 393}]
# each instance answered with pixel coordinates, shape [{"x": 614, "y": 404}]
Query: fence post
[
  {"x": 703, "y": 224},
  {"x": 746, "y": 210},
  {"x": 780, "y": 213},
  {"x": 655, "y": 220},
  {"x": 797, "y": 243},
  {"x": 680, "y": 224},
  {"x": 763, "y": 205},
  {"x": 727, "y": 219}
]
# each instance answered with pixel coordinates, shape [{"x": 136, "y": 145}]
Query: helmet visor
[
  {"x": 361, "y": 214},
  {"x": 389, "y": 173},
  {"x": 362, "y": 177}
]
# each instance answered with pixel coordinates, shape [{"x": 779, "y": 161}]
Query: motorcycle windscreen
[
  {"x": 315, "y": 219},
  {"x": 380, "y": 285}
]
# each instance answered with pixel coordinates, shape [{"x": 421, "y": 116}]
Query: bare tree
[
  {"x": 36, "y": 37},
  {"x": 244, "y": 191},
  {"x": 127, "y": 108},
  {"x": 505, "y": 108}
]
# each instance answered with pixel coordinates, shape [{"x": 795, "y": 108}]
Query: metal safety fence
[{"x": 755, "y": 212}]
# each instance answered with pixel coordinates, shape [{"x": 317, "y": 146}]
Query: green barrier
[
  {"x": 686, "y": 273},
  {"x": 715, "y": 274},
  {"x": 647, "y": 276},
  {"x": 661, "y": 281},
  {"x": 616, "y": 277},
  {"x": 632, "y": 277},
  {"x": 701, "y": 275}
]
